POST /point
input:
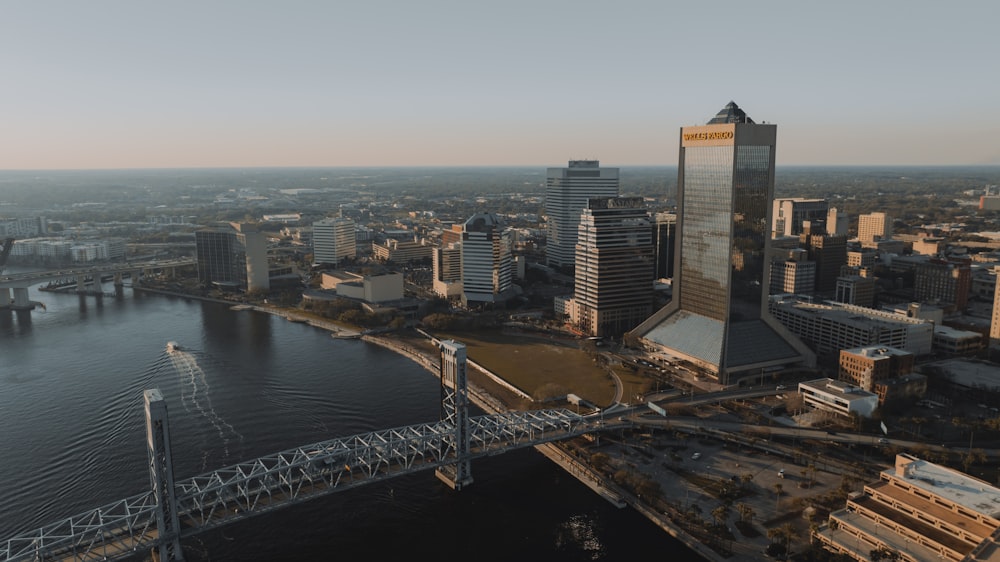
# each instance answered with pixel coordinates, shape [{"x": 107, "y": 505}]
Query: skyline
[{"x": 113, "y": 85}]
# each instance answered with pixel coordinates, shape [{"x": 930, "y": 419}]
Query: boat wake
[{"x": 195, "y": 397}]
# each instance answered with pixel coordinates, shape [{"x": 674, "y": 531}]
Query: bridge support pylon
[
  {"x": 161, "y": 475},
  {"x": 21, "y": 301},
  {"x": 455, "y": 409}
]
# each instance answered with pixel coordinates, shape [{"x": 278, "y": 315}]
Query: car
[
  {"x": 780, "y": 387},
  {"x": 696, "y": 456},
  {"x": 883, "y": 441}
]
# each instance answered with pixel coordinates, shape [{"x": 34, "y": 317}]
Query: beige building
[
  {"x": 923, "y": 511},
  {"x": 402, "y": 251},
  {"x": 995, "y": 323},
  {"x": 865, "y": 366},
  {"x": 874, "y": 226}
]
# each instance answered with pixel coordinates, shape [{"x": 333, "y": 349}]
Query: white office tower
[
  {"x": 333, "y": 241},
  {"x": 567, "y": 191},
  {"x": 614, "y": 266},
  {"x": 486, "y": 260}
]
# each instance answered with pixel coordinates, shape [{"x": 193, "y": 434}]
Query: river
[{"x": 72, "y": 437}]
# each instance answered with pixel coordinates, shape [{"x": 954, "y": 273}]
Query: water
[{"x": 72, "y": 437}]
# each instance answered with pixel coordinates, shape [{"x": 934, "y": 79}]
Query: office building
[
  {"x": 838, "y": 398},
  {"x": 486, "y": 261},
  {"x": 855, "y": 286},
  {"x": 836, "y": 222},
  {"x": 792, "y": 272},
  {"x": 567, "y": 191},
  {"x": 233, "y": 258},
  {"x": 614, "y": 267},
  {"x": 447, "y": 268},
  {"x": 717, "y": 318},
  {"x": 995, "y": 317},
  {"x": 943, "y": 281},
  {"x": 921, "y": 511},
  {"x": 861, "y": 258},
  {"x": 873, "y": 227},
  {"x": 865, "y": 366},
  {"x": 830, "y": 254},
  {"x": 333, "y": 241},
  {"x": 789, "y": 213},
  {"x": 664, "y": 238},
  {"x": 402, "y": 251}
]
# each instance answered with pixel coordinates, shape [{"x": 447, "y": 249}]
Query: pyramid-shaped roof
[{"x": 730, "y": 114}]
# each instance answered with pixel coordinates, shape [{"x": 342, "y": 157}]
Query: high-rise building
[
  {"x": 664, "y": 238},
  {"x": 233, "y": 258},
  {"x": 873, "y": 227},
  {"x": 995, "y": 320},
  {"x": 855, "y": 286},
  {"x": 447, "y": 267},
  {"x": 830, "y": 254},
  {"x": 333, "y": 241},
  {"x": 789, "y": 213},
  {"x": 836, "y": 222},
  {"x": 486, "y": 260},
  {"x": 943, "y": 280},
  {"x": 567, "y": 191},
  {"x": 717, "y": 318},
  {"x": 792, "y": 272},
  {"x": 613, "y": 289}
]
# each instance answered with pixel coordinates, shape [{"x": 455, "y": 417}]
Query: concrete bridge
[{"x": 18, "y": 283}]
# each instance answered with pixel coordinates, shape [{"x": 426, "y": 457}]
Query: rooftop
[{"x": 955, "y": 486}]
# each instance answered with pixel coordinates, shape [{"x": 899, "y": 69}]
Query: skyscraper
[
  {"x": 233, "y": 258},
  {"x": 567, "y": 191},
  {"x": 718, "y": 317},
  {"x": 789, "y": 213},
  {"x": 664, "y": 235},
  {"x": 486, "y": 259},
  {"x": 614, "y": 266},
  {"x": 333, "y": 241}
]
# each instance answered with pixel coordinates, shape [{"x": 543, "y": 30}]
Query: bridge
[
  {"x": 19, "y": 282},
  {"x": 171, "y": 510}
]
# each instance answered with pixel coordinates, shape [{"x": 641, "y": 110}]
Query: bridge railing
[
  {"x": 127, "y": 524},
  {"x": 280, "y": 479}
]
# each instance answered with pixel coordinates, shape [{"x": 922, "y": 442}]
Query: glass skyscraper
[
  {"x": 567, "y": 191},
  {"x": 717, "y": 318}
]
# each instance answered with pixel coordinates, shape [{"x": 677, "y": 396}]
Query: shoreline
[{"x": 561, "y": 456}]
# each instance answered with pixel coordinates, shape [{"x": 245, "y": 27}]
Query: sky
[{"x": 249, "y": 83}]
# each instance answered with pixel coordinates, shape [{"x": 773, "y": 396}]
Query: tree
[
  {"x": 721, "y": 514},
  {"x": 746, "y": 512}
]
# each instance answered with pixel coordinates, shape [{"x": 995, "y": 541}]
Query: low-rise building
[
  {"x": 922, "y": 512},
  {"x": 838, "y": 397}
]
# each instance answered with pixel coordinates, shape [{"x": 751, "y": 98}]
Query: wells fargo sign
[{"x": 708, "y": 135}]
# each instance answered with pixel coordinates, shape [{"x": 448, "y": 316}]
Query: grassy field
[{"x": 539, "y": 366}]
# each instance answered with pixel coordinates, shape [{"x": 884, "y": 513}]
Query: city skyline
[{"x": 255, "y": 84}]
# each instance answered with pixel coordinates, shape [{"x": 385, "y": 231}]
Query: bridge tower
[
  {"x": 455, "y": 410},
  {"x": 161, "y": 475}
]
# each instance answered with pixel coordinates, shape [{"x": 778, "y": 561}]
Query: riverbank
[{"x": 492, "y": 398}]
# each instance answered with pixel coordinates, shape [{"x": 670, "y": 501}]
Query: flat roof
[
  {"x": 840, "y": 389},
  {"x": 957, "y": 487}
]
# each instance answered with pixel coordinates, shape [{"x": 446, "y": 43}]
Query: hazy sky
[{"x": 127, "y": 84}]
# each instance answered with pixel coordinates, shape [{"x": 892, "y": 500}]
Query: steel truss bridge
[{"x": 158, "y": 519}]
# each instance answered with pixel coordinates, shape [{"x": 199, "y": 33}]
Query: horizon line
[{"x": 463, "y": 166}]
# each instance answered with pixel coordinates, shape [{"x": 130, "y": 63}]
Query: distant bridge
[
  {"x": 171, "y": 511},
  {"x": 19, "y": 282}
]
